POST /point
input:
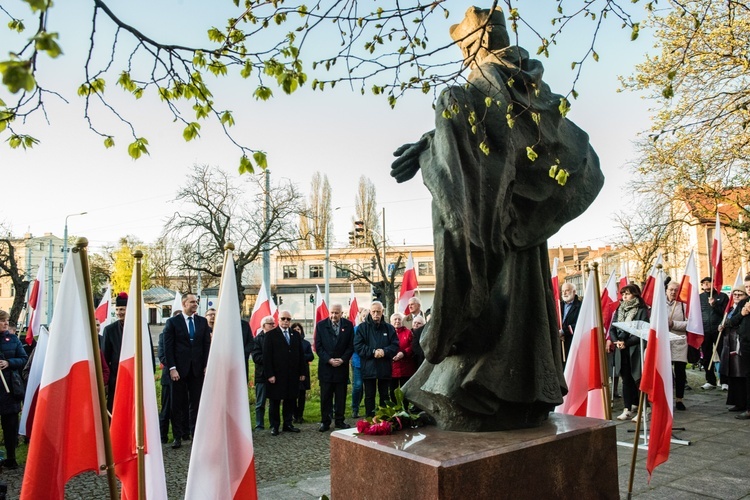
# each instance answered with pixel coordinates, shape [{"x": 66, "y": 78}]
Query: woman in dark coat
[
  {"x": 628, "y": 348},
  {"x": 741, "y": 321},
  {"x": 12, "y": 357},
  {"x": 304, "y": 385},
  {"x": 733, "y": 366}
]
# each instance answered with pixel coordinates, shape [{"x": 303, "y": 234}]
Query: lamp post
[
  {"x": 327, "y": 269},
  {"x": 65, "y": 237}
]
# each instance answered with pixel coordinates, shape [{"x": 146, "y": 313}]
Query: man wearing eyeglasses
[
  {"x": 283, "y": 368},
  {"x": 334, "y": 342}
]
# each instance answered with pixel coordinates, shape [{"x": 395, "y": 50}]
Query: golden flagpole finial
[{"x": 229, "y": 246}]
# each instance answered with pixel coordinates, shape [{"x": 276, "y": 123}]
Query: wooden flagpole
[
  {"x": 606, "y": 399},
  {"x": 635, "y": 445},
  {"x": 139, "y": 411},
  {"x": 81, "y": 247}
]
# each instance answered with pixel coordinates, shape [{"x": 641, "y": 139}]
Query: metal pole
[
  {"x": 198, "y": 287},
  {"x": 65, "y": 236},
  {"x": 266, "y": 250},
  {"x": 50, "y": 287},
  {"x": 28, "y": 278},
  {"x": 385, "y": 269},
  {"x": 602, "y": 348},
  {"x": 140, "y": 438},
  {"x": 81, "y": 246}
]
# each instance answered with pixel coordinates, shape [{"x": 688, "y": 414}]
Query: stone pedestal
[{"x": 567, "y": 457}]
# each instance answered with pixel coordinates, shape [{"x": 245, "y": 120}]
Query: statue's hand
[{"x": 407, "y": 163}]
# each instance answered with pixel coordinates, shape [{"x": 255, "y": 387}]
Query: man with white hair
[
  {"x": 266, "y": 325},
  {"x": 570, "y": 306},
  {"x": 334, "y": 343},
  {"x": 415, "y": 310}
]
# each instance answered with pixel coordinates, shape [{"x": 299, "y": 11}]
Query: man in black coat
[
  {"x": 376, "y": 343},
  {"x": 741, "y": 321},
  {"x": 570, "y": 307},
  {"x": 267, "y": 324},
  {"x": 713, "y": 305},
  {"x": 334, "y": 343},
  {"x": 187, "y": 340},
  {"x": 112, "y": 336},
  {"x": 283, "y": 368}
]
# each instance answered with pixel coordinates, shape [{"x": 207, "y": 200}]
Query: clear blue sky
[{"x": 340, "y": 133}]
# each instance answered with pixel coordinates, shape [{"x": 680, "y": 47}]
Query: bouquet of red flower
[{"x": 389, "y": 418}]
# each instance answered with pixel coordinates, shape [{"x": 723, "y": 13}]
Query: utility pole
[
  {"x": 51, "y": 287},
  {"x": 266, "y": 250},
  {"x": 198, "y": 286}
]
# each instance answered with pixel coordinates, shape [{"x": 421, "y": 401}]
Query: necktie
[
  {"x": 286, "y": 336},
  {"x": 191, "y": 328},
  {"x": 335, "y": 329}
]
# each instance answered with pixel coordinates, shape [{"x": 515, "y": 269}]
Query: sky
[{"x": 339, "y": 133}]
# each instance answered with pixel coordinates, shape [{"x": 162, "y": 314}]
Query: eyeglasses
[{"x": 285, "y": 319}]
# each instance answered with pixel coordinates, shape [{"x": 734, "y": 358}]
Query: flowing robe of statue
[{"x": 492, "y": 344}]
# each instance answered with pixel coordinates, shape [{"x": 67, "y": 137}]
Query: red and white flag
[
  {"x": 321, "y": 312},
  {"x": 556, "y": 293},
  {"x": 656, "y": 382},
  {"x": 739, "y": 283},
  {"x": 264, "y": 306},
  {"x": 31, "y": 398},
  {"x": 624, "y": 277},
  {"x": 689, "y": 295},
  {"x": 104, "y": 309},
  {"x": 36, "y": 302},
  {"x": 717, "y": 269},
  {"x": 648, "y": 288},
  {"x": 408, "y": 286},
  {"x": 353, "y": 307},
  {"x": 222, "y": 464},
  {"x": 123, "y": 426},
  {"x": 609, "y": 301},
  {"x": 583, "y": 373},
  {"x": 177, "y": 304},
  {"x": 68, "y": 434}
]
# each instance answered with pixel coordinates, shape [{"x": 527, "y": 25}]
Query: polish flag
[
  {"x": 648, "y": 288},
  {"x": 739, "y": 282},
  {"x": 68, "y": 433},
  {"x": 408, "y": 286},
  {"x": 353, "y": 307},
  {"x": 688, "y": 295},
  {"x": 583, "y": 373},
  {"x": 264, "y": 306},
  {"x": 177, "y": 304},
  {"x": 123, "y": 426},
  {"x": 716, "y": 257},
  {"x": 104, "y": 309},
  {"x": 31, "y": 397},
  {"x": 609, "y": 301},
  {"x": 321, "y": 311},
  {"x": 656, "y": 382},
  {"x": 624, "y": 277},
  {"x": 36, "y": 301},
  {"x": 556, "y": 293},
  {"x": 222, "y": 464}
]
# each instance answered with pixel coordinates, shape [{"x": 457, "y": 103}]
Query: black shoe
[
  {"x": 299, "y": 420},
  {"x": 186, "y": 437},
  {"x": 342, "y": 425},
  {"x": 736, "y": 408},
  {"x": 680, "y": 406},
  {"x": 743, "y": 416},
  {"x": 355, "y": 414},
  {"x": 177, "y": 443},
  {"x": 324, "y": 427},
  {"x": 290, "y": 428},
  {"x": 274, "y": 432},
  {"x": 616, "y": 396},
  {"x": 164, "y": 440},
  {"x": 10, "y": 465},
  {"x": 259, "y": 428}
]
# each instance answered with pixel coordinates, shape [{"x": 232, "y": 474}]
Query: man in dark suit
[
  {"x": 258, "y": 343},
  {"x": 112, "y": 339},
  {"x": 334, "y": 343},
  {"x": 570, "y": 306},
  {"x": 187, "y": 339},
  {"x": 283, "y": 367}
]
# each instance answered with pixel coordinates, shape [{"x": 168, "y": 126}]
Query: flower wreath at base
[{"x": 392, "y": 417}]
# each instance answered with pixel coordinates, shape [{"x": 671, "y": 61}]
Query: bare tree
[
  {"x": 215, "y": 212},
  {"x": 315, "y": 223},
  {"x": 162, "y": 259},
  {"x": 9, "y": 269},
  {"x": 366, "y": 208}
]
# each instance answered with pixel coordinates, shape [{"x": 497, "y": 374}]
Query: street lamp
[{"x": 65, "y": 237}]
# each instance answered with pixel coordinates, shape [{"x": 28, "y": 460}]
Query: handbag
[{"x": 17, "y": 386}]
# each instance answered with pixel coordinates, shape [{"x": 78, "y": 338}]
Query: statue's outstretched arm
[{"x": 406, "y": 164}]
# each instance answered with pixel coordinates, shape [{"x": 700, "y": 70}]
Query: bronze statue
[{"x": 492, "y": 348}]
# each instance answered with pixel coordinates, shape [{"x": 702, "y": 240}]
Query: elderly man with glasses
[
  {"x": 283, "y": 368},
  {"x": 267, "y": 324}
]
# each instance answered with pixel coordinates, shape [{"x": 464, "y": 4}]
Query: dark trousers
[
  {"x": 165, "y": 415},
  {"x": 273, "y": 412},
  {"x": 260, "y": 403},
  {"x": 680, "y": 378},
  {"x": 299, "y": 407},
  {"x": 9, "y": 423},
  {"x": 630, "y": 392},
  {"x": 397, "y": 382},
  {"x": 383, "y": 386},
  {"x": 186, "y": 396},
  {"x": 332, "y": 401},
  {"x": 707, "y": 348}
]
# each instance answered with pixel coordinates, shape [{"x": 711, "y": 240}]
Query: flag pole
[
  {"x": 602, "y": 348},
  {"x": 82, "y": 247},
  {"x": 139, "y": 413},
  {"x": 635, "y": 445},
  {"x": 228, "y": 249}
]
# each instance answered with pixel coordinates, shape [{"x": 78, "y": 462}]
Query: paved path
[{"x": 296, "y": 466}]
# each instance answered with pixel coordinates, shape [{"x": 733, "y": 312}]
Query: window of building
[
  {"x": 367, "y": 269},
  {"x": 342, "y": 270},
  {"x": 41, "y": 245},
  {"x": 316, "y": 271},
  {"x": 290, "y": 272},
  {"x": 12, "y": 291},
  {"x": 426, "y": 268},
  {"x": 60, "y": 267}
]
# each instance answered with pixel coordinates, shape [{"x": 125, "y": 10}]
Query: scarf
[{"x": 627, "y": 310}]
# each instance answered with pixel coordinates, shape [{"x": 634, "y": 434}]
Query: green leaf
[
  {"x": 485, "y": 148},
  {"x": 191, "y": 131},
  {"x": 260, "y": 159},
  {"x": 564, "y": 107},
  {"x": 562, "y": 177},
  {"x": 595, "y": 55},
  {"x": 17, "y": 75},
  {"x": 536, "y": 117},
  {"x": 109, "y": 142},
  {"x": 39, "y": 5},
  {"x": 246, "y": 166},
  {"x": 488, "y": 101},
  {"x": 24, "y": 141},
  {"x": 16, "y": 25},
  {"x": 45, "y": 42},
  {"x": 531, "y": 154},
  {"x": 553, "y": 171},
  {"x": 509, "y": 119},
  {"x": 227, "y": 119},
  {"x": 263, "y": 93},
  {"x": 138, "y": 148}
]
